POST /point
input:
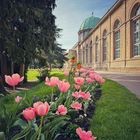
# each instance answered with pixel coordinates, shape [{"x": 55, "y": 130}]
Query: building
[{"x": 111, "y": 43}]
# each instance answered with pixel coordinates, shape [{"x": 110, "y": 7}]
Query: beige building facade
[{"x": 111, "y": 43}]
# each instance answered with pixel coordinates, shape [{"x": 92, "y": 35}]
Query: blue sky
[{"x": 71, "y": 13}]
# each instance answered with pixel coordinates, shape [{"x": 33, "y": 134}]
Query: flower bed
[{"x": 64, "y": 115}]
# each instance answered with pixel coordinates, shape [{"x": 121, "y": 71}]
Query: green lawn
[
  {"x": 117, "y": 115},
  {"x": 32, "y": 74}
]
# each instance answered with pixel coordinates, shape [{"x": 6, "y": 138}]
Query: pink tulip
[
  {"x": 79, "y": 80},
  {"x": 18, "y": 99},
  {"x": 13, "y": 80},
  {"x": 91, "y": 72},
  {"x": 76, "y": 95},
  {"x": 29, "y": 114},
  {"x": 91, "y": 69},
  {"x": 84, "y": 135},
  {"x": 91, "y": 75},
  {"x": 83, "y": 70},
  {"x": 63, "y": 86},
  {"x": 76, "y": 106},
  {"x": 62, "y": 110},
  {"x": 85, "y": 96},
  {"x": 99, "y": 78},
  {"x": 102, "y": 81},
  {"x": 83, "y": 75},
  {"x": 89, "y": 80},
  {"x": 35, "y": 105},
  {"x": 77, "y": 86},
  {"x": 41, "y": 109},
  {"x": 52, "y": 82},
  {"x": 76, "y": 74},
  {"x": 66, "y": 73}
]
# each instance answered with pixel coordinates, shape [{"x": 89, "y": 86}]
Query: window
[
  {"x": 117, "y": 39},
  {"x": 90, "y": 52},
  {"x": 87, "y": 55},
  {"x": 136, "y": 30},
  {"x": 104, "y": 45},
  {"x": 96, "y": 50}
]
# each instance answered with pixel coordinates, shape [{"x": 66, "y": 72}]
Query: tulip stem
[
  {"x": 14, "y": 89},
  {"x": 59, "y": 99},
  {"x": 52, "y": 96},
  {"x": 87, "y": 88},
  {"x": 40, "y": 127}
]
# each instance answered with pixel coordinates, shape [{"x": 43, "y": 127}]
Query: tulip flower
[
  {"x": 29, "y": 114},
  {"x": 76, "y": 95},
  {"x": 76, "y": 106},
  {"x": 99, "y": 78},
  {"x": 62, "y": 110},
  {"x": 89, "y": 80},
  {"x": 76, "y": 74},
  {"x": 84, "y": 135},
  {"x": 73, "y": 60},
  {"x": 85, "y": 96},
  {"x": 53, "y": 81},
  {"x": 83, "y": 75},
  {"x": 83, "y": 70},
  {"x": 63, "y": 86},
  {"x": 66, "y": 73},
  {"x": 13, "y": 80},
  {"x": 41, "y": 108},
  {"x": 77, "y": 86},
  {"x": 91, "y": 75},
  {"x": 79, "y": 66},
  {"x": 91, "y": 72},
  {"x": 18, "y": 99},
  {"x": 79, "y": 80}
]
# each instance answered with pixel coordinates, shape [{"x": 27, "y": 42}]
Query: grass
[
  {"x": 117, "y": 115},
  {"x": 32, "y": 74}
]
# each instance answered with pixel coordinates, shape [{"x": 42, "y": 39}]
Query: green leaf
[
  {"x": 2, "y": 136},
  {"x": 23, "y": 133},
  {"x": 21, "y": 123},
  {"x": 42, "y": 137},
  {"x": 51, "y": 127}
]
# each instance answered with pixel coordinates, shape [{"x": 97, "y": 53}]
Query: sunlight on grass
[{"x": 32, "y": 74}]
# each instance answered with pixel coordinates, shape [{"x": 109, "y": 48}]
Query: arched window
[
  {"x": 117, "y": 39},
  {"x": 90, "y": 52},
  {"x": 135, "y": 28},
  {"x": 87, "y": 54},
  {"x": 96, "y": 49},
  {"x": 104, "y": 45}
]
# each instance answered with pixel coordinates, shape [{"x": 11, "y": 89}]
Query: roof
[{"x": 89, "y": 23}]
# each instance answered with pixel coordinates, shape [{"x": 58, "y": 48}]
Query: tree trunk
[{"x": 22, "y": 69}]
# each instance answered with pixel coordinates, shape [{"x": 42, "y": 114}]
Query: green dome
[{"x": 89, "y": 23}]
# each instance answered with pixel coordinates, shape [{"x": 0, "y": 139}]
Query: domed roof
[{"x": 89, "y": 23}]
